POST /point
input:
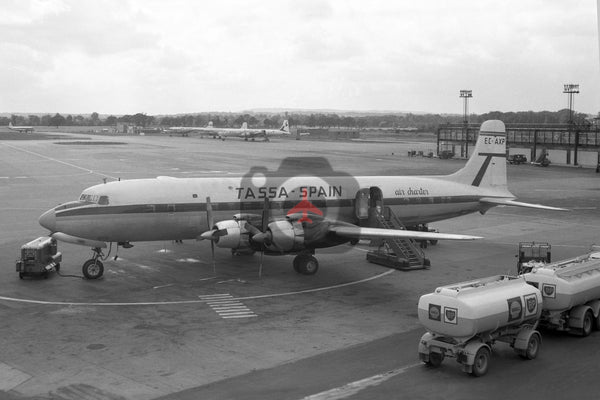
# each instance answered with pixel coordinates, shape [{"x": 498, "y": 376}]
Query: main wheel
[
  {"x": 588, "y": 323},
  {"x": 435, "y": 359},
  {"x": 306, "y": 264},
  {"x": 533, "y": 347},
  {"x": 92, "y": 269},
  {"x": 482, "y": 361}
]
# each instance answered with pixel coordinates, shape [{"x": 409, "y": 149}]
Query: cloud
[
  {"x": 181, "y": 56},
  {"x": 88, "y": 27}
]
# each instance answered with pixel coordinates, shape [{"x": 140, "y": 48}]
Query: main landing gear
[
  {"x": 93, "y": 268},
  {"x": 306, "y": 264}
]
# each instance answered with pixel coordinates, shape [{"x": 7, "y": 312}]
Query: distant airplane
[
  {"x": 26, "y": 129},
  {"x": 243, "y": 132},
  {"x": 235, "y": 214},
  {"x": 253, "y": 133}
]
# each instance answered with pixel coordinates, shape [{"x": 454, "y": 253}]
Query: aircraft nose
[{"x": 48, "y": 220}]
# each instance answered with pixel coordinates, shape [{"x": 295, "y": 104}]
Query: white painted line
[
  {"x": 59, "y": 161},
  {"x": 353, "y": 388},
  {"x": 11, "y": 377},
  {"x": 198, "y": 301},
  {"x": 215, "y": 296},
  {"x": 240, "y": 316}
]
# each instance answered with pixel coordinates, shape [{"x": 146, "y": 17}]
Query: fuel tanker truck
[
  {"x": 465, "y": 319},
  {"x": 571, "y": 293}
]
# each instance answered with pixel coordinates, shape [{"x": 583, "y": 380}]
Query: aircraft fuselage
[{"x": 171, "y": 208}]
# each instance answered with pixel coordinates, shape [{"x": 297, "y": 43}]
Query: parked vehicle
[{"x": 516, "y": 159}]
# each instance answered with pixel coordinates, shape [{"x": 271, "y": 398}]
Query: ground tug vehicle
[
  {"x": 465, "y": 319},
  {"x": 39, "y": 257}
]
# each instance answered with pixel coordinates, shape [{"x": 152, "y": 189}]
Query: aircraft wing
[
  {"x": 493, "y": 201},
  {"x": 360, "y": 232}
]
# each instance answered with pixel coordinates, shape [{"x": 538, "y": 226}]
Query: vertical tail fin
[
  {"x": 210, "y": 124},
  {"x": 285, "y": 127},
  {"x": 487, "y": 165},
  {"x": 244, "y": 125}
]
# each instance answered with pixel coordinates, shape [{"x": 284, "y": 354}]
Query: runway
[{"x": 163, "y": 323}]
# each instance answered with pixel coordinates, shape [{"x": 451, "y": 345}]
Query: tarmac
[{"x": 150, "y": 328}]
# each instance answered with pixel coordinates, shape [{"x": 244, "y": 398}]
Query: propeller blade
[
  {"x": 265, "y": 215},
  {"x": 212, "y": 237},
  {"x": 209, "y": 214},
  {"x": 212, "y": 252},
  {"x": 252, "y": 229},
  {"x": 262, "y": 252},
  {"x": 262, "y": 238},
  {"x": 213, "y": 234},
  {"x": 208, "y": 235}
]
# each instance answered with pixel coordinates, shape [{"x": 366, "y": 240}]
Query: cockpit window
[{"x": 94, "y": 198}]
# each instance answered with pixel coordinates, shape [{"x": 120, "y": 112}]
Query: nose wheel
[{"x": 93, "y": 268}]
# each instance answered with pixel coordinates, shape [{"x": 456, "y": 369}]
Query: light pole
[
  {"x": 571, "y": 89},
  {"x": 466, "y": 95}
]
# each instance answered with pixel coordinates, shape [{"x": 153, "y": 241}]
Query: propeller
[
  {"x": 261, "y": 236},
  {"x": 211, "y": 222}
]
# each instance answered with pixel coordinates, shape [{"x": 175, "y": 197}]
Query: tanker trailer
[
  {"x": 464, "y": 320},
  {"x": 571, "y": 293}
]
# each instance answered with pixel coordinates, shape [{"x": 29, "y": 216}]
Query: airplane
[
  {"x": 243, "y": 132},
  {"x": 253, "y": 133},
  {"x": 239, "y": 214},
  {"x": 186, "y": 130},
  {"x": 26, "y": 129}
]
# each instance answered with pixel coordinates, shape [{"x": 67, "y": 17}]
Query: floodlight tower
[
  {"x": 571, "y": 89},
  {"x": 466, "y": 95}
]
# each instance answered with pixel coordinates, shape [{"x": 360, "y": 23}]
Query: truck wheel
[
  {"x": 588, "y": 323},
  {"x": 482, "y": 361},
  {"x": 92, "y": 269},
  {"x": 435, "y": 359},
  {"x": 57, "y": 267},
  {"x": 533, "y": 347}
]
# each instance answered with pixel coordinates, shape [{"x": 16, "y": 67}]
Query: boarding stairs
[{"x": 397, "y": 253}]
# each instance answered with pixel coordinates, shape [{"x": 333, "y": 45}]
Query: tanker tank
[
  {"x": 466, "y": 309},
  {"x": 569, "y": 283}
]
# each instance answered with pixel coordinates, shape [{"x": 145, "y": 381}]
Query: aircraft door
[
  {"x": 376, "y": 199},
  {"x": 361, "y": 204}
]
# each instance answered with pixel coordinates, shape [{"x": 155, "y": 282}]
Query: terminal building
[{"x": 576, "y": 144}]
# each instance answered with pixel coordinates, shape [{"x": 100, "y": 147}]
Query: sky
[{"x": 170, "y": 57}]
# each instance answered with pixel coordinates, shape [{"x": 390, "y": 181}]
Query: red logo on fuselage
[{"x": 305, "y": 207}]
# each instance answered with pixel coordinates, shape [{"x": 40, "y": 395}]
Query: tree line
[{"x": 350, "y": 120}]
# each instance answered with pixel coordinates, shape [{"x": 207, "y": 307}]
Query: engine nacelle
[
  {"x": 233, "y": 234},
  {"x": 286, "y": 235}
]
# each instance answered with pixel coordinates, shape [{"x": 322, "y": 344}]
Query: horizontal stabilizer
[
  {"x": 510, "y": 202},
  {"x": 366, "y": 233},
  {"x": 63, "y": 237}
]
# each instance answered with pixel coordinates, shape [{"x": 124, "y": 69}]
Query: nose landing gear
[{"x": 93, "y": 268}]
